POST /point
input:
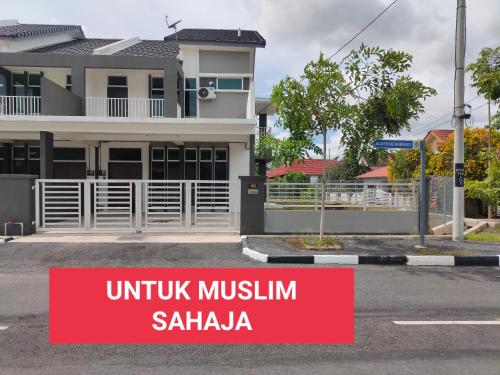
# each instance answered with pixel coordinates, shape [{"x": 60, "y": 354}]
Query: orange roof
[
  {"x": 378, "y": 172},
  {"x": 310, "y": 167},
  {"x": 441, "y": 135}
]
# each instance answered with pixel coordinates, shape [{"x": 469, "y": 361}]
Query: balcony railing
[
  {"x": 125, "y": 107},
  {"x": 20, "y": 105}
]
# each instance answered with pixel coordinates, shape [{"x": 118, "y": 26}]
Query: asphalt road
[{"x": 383, "y": 294}]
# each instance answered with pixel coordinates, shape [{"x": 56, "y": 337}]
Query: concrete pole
[
  {"x": 458, "y": 151},
  {"x": 423, "y": 203}
]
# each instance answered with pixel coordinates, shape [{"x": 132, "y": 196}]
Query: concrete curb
[
  {"x": 386, "y": 260},
  {"x": 3, "y": 241}
]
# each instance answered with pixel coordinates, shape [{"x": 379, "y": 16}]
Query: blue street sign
[{"x": 388, "y": 143}]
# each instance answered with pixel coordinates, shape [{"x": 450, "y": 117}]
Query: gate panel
[
  {"x": 61, "y": 204},
  {"x": 113, "y": 204},
  {"x": 163, "y": 204},
  {"x": 212, "y": 204}
]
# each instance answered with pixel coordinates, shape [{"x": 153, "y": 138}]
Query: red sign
[{"x": 201, "y": 306}]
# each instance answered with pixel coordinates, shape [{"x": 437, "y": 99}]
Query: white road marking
[
  {"x": 3, "y": 328},
  {"x": 445, "y": 322}
]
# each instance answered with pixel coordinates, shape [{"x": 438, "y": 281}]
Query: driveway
[{"x": 383, "y": 294}]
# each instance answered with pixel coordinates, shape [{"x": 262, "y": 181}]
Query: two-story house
[
  {"x": 96, "y": 110},
  {"x": 178, "y": 108}
]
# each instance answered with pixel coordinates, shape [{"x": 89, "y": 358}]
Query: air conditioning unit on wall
[{"x": 206, "y": 93}]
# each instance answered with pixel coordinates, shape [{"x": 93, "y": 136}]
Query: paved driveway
[{"x": 383, "y": 294}]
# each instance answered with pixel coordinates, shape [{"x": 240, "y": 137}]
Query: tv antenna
[{"x": 173, "y": 26}]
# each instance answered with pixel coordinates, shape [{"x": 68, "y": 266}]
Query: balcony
[
  {"x": 20, "y": 105},
  {"x": 125, "y": 107}
]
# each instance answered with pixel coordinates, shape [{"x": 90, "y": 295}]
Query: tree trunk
[{"x": 323, "y": 190}]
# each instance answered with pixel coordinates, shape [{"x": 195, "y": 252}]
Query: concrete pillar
[
  {"x": 253, "y": 197},
  {"x": 46, "y": 155},
  {"x": 263, "y": 131},
  {"x": 7, "y": 158},
  {"x": 252, "y": 155}
]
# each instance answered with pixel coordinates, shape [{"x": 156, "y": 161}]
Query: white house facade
[{"x": 129, "y": 133}]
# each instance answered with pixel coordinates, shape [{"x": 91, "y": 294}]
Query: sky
[{"x": 297, "y": 30}]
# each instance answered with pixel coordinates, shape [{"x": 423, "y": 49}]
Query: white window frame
[{"x": 196, "y": 95}]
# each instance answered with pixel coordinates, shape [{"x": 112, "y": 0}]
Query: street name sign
[{"x": 389, "y": 143}]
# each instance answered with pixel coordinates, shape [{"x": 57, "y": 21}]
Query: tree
[
  {"x": 312, "y": 106},
  {"x": 486, "y": 74},
  {"x": 367, "y": 97},
  {"x": 476, "y": 161},
  {"x": 487, "y": 190},
  {"x": 294, "y": 177}
]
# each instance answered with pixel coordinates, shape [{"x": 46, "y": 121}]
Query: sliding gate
[{"x": 137, "y": 204}]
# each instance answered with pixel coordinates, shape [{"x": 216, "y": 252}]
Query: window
[
  {"x": 220, "y": 164},
  {"x": 34, "y": 160},
  {"x": 18, "y": 85},
  {"x": 125, "y": 154},
  {"x": 157, "y": 92},
  {"x": 173, "y": 163},
  {"x": 158, "y": 163},
  {"x": 117, "y": 89},
  {"x": 34, "y": 85},
  {"x": 191, "y": 98},
  {"x": 229, "y": 84},
  {"x": 69, "y": 154},
  {"x": 190, "y": 157},
  {"x": 205, "y": 164},
  {"x": 226, "y": 83},
  {"x": 117, "y": 81},
  {"x": 68, "y": 82},
  {"x": 19, "y": 159}
]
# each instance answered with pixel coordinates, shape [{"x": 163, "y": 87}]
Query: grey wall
[
  {"x": 342, "y": 221},
  {"x": 57, "y": 101},
  {"x": 224, "y": 62},
  {"x": 226, "y": 105},
  {"x": 17, "y": 201}
]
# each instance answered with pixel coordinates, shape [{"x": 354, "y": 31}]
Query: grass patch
[
  {"x": 314, "y": 243},
  {"x": 490, "y": 234},
  {"x": 436, "y": 251}
]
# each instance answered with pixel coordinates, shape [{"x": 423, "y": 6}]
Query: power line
[
  {"x": 428, "y": 125},
  {"x": 446, "y": 122},
  {"x": 363, "y": 29}
]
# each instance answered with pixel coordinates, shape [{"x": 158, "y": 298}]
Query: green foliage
[
  {"x": 487, "y": 190},
  {"x": 486, "y": 73},
  {"x": 335, "y": 172},
  {"x": 294, "y": 177},
  {"x": 405, "y": 165}
]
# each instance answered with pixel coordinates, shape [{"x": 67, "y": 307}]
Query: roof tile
[
  {"x": 310, "y": 167},
  {"x": 22, "y": 30},
  {"x": 219, "y": 36}
]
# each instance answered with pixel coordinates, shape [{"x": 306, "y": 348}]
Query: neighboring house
[
  {"x": 178, "y": 108},
  {"x": 378, "y": 175},
  {"x": 435, "y": 137},
  {"x": 310, "y": 167}
]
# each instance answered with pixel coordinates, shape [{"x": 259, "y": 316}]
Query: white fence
[
  {"x": 137, "y": 204},
  {"x": 402, "y": 196},
  {"x": 124, "y": 107},
  {"x": 20, "y": 105}
]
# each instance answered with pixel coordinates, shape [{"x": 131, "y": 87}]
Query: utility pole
[{"x": 459, "y": 111}]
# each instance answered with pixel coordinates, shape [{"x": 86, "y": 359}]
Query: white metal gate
[{"x": 157, "y": 205}]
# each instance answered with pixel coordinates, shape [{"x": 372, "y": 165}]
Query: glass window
[
  {"x": 19, "y": 152},
  {"x": 220, "y": 154},
  {"x": 157, "y": 82},
  {"x": 174, "y": 170},
  {"x": 158, "y": 170},
  {"x": 34, "y": 79},
  {"x": 34, "y": 167},
  {"x": 34, "y": 152},
  {"x": 190, "y": 84},
  {"x": 190, "y": 154},
  {"x": 18, "y": 79},
  {"x": 117, "y": 81},
  {"x": 158, "y": 154},
  {"x": 190, "y": 171},
  {"x": 205, "y": 171},
  {"x": 125, "y": 154},
  {"x": 174, "y": 154},
  {"x": 190, "y": 103},
  {"x": 246, "y": 83},
  {"x": 206, "y": 154},
  {"x": 221, "y": 171},
  {"x": 69, "y": 153},
  {"x": 229, "y": 84},
  {"x": 19, "y": 166},
  {"x": 208, "y": 81}
]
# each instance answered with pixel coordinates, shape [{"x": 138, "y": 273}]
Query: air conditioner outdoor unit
[{"x": 205, "y": 93}]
